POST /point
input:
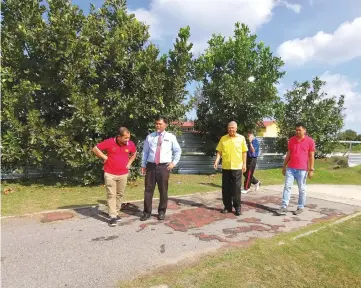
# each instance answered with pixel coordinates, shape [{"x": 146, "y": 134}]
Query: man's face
[
  {"x": 160, "y": 126},
  {"x": 300, "y": 131},
  {"x": 124, "y": 139},
  {"x": 232, "y": 129}
]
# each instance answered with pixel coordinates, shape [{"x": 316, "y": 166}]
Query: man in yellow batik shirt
[{"x": 233, "y": 150}]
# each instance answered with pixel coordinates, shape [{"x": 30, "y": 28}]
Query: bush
[{"x": 337, "y": 162}]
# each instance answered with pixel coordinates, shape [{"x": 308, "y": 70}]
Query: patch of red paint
[
  {"x": 251, "y": 220},
  {"x": 286, "y": 220},
  {"x": 56, "y": 216},
  {"x": 195, "y": 218},
  {"x": 237, "y": 230},
  {"x": 206, "y": 237},
  {"x": 145, "y": 225},
  {"x": 276, "y": 227},
  {"x": 173, "y": 205},
  {"x": 260, "y": 228}
]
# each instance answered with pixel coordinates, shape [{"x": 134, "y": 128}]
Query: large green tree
[
  {"x": 348, "y": 135},
  {"x": 322, "y": 115},
  {"x": 70, "y": 80},
  {"x": 238, "y": 83}
]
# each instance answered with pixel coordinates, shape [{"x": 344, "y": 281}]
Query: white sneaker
[
  {"x": 257, "y": 186},
  {"x": 244, "y": 191}
]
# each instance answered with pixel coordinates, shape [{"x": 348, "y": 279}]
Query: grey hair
[{"x": 232, "y": 123}]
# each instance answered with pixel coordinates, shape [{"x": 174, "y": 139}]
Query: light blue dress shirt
[{"x": 170, "y": 150}]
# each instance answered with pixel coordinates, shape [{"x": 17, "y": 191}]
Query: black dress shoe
[
  {"x": 238, "y": 212},
  {"x": 144, "y": 216},
  {"x": 225, "y": 211},
  {"x": 161, "y": 216}
]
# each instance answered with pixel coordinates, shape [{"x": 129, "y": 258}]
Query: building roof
[
  {"x": 190, "y": 124},
  {"x": 268, "y": 123},
  {"x": 186, "y": 124}
]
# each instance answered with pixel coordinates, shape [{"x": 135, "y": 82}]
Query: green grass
[
  {"x": 35, "y": 197},
  {"x": 328, "y": 258}
]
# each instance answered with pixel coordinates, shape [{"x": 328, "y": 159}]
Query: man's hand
[
  {"x": 244, "y": 168},
  {"x": 170, "y": 166},
  {"x": 129, "y": 165},
  {"x": 143, "y": 171},
  {"x": 215, "y": 165},
  {"x": 251, "y": 138},
  {"x": 284, "y": 171},
  {"x": 310, "y": 174},
  {"x": 105, "y": 159}
]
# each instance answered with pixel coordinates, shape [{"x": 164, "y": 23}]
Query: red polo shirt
[
  {"x": 118, "y": 156},
  {"x": 300, "y": 152}
]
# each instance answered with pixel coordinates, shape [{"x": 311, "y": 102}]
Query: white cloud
[
  {"x": 206, "y": 17},
  {"x": 294, "y": 7},
  {"x": 340, "y": 46},
  {"x": 337, "y": 84}
]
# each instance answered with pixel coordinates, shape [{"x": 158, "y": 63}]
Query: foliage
[
  {"x": 348, "y": 135},
  {"x": 322, "y": 115},
  {"x": 338, "y": 162},
  {"x": 70, "y": 80},
  {"x": 238, "y": 77}
]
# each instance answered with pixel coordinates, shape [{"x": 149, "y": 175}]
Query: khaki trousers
[{"x": 115, "y": 186}]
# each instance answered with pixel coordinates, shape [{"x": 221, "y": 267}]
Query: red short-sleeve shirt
[
  {"x": 300, "y": 152},
  {"x": 118, "y": 156}
]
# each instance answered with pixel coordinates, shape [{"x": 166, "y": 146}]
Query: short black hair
[
  {"x": 160, "y": 118},
  {"x": 123, "y": 130},
  {"x": 300, "y": 124}
]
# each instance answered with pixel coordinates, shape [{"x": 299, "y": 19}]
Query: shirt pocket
[{"x": 167, "y": 145}]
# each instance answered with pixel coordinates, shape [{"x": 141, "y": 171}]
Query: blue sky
[{"x": 314, "y": 37}]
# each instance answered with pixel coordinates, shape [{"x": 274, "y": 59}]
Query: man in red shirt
[
  {"x": 299, "y": 163},
  {"x": 121, "y": 153}
]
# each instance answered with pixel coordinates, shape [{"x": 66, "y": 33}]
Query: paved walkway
[{"x": 82, "y": 251}]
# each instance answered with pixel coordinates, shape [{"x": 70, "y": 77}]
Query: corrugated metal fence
[{"x": 193, "y": 160}]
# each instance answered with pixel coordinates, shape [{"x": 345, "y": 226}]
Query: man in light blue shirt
[{"x": 161, "y": 153}]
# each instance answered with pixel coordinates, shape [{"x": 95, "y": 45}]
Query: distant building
[
  {"x": 268, "y": 129},
  {"x": 186, "y": 126},
  {"x": 265, "y": 129}
]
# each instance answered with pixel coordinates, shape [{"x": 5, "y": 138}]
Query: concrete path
[{"x": 82, "y": 251}]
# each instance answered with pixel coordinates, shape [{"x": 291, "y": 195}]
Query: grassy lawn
[
  {"x": 328, "y": 258},
  {"x": 35, "y": 197}
]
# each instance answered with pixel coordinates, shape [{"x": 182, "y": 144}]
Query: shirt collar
[{"x": 161, "y": 133}]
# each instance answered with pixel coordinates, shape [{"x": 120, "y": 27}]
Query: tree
[
  {"x": 71, "y": 80},
  {"x": 322, "y": 115},
  {"x": 348, "y": 135},
  {"x": 238, "y": 83}
]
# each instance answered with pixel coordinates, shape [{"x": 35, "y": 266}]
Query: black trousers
[
  {"x": 231, "y": 188},
  {"x": 248, "y": 175},
  {"x": 156, "y": 174}
]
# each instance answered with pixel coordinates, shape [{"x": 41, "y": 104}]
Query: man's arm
[
  {"x": 218, "y": 157},
  {"x": 145, "y": 154},
  {"x": 244, "y": 159},
  {"x": 311, "y": 163},
  {"x": 100, "y": 154},
  {"x": 287, "y": 159},
  {"x": 251, "y": 147},
  {"x": 177, "y": 151},
  {"x": 131, "y": 159}
]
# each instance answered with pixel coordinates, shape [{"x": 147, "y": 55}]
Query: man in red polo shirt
[
  {"x": 299, "y": 163},
  {"x": 120, "y": 155}
]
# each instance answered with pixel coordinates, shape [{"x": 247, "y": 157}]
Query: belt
[{"x": 157, "y": 164}]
